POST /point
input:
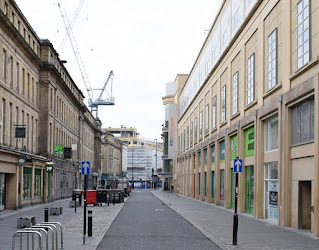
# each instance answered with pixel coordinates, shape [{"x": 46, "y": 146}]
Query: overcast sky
[{"x": 145, "y": 42}]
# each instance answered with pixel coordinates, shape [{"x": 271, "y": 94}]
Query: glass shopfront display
[{"x": 271, "y": 191}]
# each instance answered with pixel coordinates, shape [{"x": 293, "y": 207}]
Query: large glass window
[
  {"x": 303, "y": 25},
  {"x": 4, "y": 69},
  {"x": 225, "y": 29},
  {"x": 237, "y": 15},
  {"x": 272, "y": 60},
  {"x": 250, "y": 79},
  {"x": 221, "y": 185},
  {"x": 2, "y": 191},
  {"x": 27, "y": 174},
  {"x": 213, "y": 153},
  {"x": 222, "y": 151},
  {"x": 199, "y": 158},
  {"x": 191, "y": 134},
  {"x": 271, "y": 191},
  {"x": 271, "y": 133},
  {"x": 302, "y": 122},
  {"x": 235, "y": 93},
  {"x": 201, "y": 125},
  {"x": 206, "y": 119},
  {"x": 223, "y": 103},
  {"x": 214, "y": 112},
  {"x": 187, "y": 136},
  {"x": 37, "y": 183},
  {"x": 205, "y": 156},
  {"x": 195, "y": 132}
]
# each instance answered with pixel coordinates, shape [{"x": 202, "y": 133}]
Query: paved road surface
[{"x": 145, "y": 223}]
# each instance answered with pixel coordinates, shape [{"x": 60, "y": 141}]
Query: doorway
[
  {"x": 249, "y": 189},
  {"x": 304, "y": 205}
]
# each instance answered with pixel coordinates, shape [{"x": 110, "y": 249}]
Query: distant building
[
  {"x": 143, "y": 154},
  {"x": 111, "y": 158}
]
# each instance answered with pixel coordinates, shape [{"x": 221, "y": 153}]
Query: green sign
[
  {"x": 233, "y": 147},
  {"x": 49, "y": 167},
  {"x": 222, "y": 151},
  {"x": 250, "y": 142},
  {"x": 58, "y": 149}
]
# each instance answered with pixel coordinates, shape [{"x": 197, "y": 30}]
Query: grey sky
[{"x": 145, "y": 42}]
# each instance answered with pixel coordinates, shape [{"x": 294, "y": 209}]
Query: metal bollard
[
  {"x": 113, "y": 197},
  {"x": 46, "y": 214},
  {"x": 90, "y": 223}
]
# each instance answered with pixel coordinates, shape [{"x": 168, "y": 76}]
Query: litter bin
[
  {"x": 101, "y": 196},
  {"x": 77, "y": 194}
]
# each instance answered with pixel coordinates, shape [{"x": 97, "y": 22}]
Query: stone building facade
[
  {"x": 111, "y": 161},
  {"x": 252, "y": 93},
  {"x": 39, "y": 98}
]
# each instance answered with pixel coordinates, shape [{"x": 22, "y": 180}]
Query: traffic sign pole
[
  {"x": 235, "y": 225},
  {"x": 84, "y": 219}
]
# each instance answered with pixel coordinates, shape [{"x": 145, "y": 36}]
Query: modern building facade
[
  {"x": 252, "y": 93},
  {"x": 45, "y": 129},
  {"x": 143, "y": 154},
  {"x": 169, "y": 131}
]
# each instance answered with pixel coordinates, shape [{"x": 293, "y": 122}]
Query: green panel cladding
[
  {"x": 250, "y": 142},
  {"x": 233, "y": 147}
]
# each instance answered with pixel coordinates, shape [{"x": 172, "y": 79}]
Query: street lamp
[{"x": 156, "y": 158}]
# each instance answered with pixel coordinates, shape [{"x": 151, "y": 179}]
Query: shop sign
[
  {"x": 19, "y": 132},
  {"x": 67, "y": 153},
  {"x": 49, "y": 167},
  {"x": 233, "y": 147},
  {"x": 250, "y": 142},
  {"x": 273, "y": 198},
  {"x": 58, "y": 149}
]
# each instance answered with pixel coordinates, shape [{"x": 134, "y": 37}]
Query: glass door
[{"x": 249, "y": 189}]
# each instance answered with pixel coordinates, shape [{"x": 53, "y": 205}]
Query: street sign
[
  {"x": 238, "y": 165},
  {"x": 86, "y": 166},
  {"x": 49, "y": 167}
]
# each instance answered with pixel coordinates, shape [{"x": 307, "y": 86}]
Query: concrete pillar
[{"x": 196, "y": 175}]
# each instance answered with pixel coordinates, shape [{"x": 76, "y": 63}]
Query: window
[
  {"x": 195, "y": 132},
  {"x": 2, "y": 121},
  {"x": 250, "y": 79},
  {"x": 303, "y": 23},
  {"x": 235, "y": 93},
  {"x": 187, "y": 136},
  {"x": 237, "y": 15},
  {"x": 206, "y": 119},
  {"x": 10, "y": 61},
  {"x": 205, "y": 156},
  {"x": 201, "y": 125},
  {"x": 272, "y": 60},
  {"x": 191, "y": 134},
  {"x": 37, "y": 183},
  {"x": 271, "y": 133},
  {"x": 199, "y": 158},
  {"x": 184, "y": 139},
  {"x": 27, "y": 172},
  {"x": 23, "y": 81},
  {"x": 212, "y": 148},
  {"x": 17, "y": 76},
  {"x": 222, "y": 151},
  {"x": 223, "y": 103},
  {"x": 4, "y": 68},
  {"x": 225, "y": 29},
  {"x": 214, "y": 109},
  {"x": 5, "y": 10},
  {"x": 302, "y": 122}
]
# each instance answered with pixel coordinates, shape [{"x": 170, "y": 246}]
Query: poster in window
[{"x": 273, "y": 198}]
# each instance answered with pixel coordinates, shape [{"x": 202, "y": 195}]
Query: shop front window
[
  {"x": 271, "y": 191},
  {"x": 37, "y": 183},
  {"x": 2, "y": 191},
  {"x": 27, "y": 183}
]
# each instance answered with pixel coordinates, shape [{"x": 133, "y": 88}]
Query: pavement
[
  {"x": 215, "y": 222},
  {"x": 72, "y": 223}
]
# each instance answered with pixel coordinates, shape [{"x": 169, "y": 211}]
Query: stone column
[
  {"x": 217, "y": 174},
  {"x": 209, "y": 174}
]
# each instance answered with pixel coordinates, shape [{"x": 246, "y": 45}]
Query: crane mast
[{"x": 93, "y": 103}]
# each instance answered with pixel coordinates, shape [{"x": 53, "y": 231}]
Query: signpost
[
  {"x": 238, "y": 168},
  {"x": 85, "y": 169}
]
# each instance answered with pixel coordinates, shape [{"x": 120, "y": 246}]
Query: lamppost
[{"x": 156, "y": 158}]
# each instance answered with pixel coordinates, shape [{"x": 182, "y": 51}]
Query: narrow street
[{"x": 147, "y": 223}]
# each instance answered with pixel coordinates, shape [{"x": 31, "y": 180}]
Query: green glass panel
[
  {"x": 222, "y": 151},
  {"x": 233, "y": 147},
  {"x": 250, "y": 142},
  {"x": 213, "y": 153}
]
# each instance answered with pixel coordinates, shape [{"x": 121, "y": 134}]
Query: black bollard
[
  {"x": 46, "y": 214},
  {"x": 113, "y": 199},
  {"x": 89, "y": 222}
]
